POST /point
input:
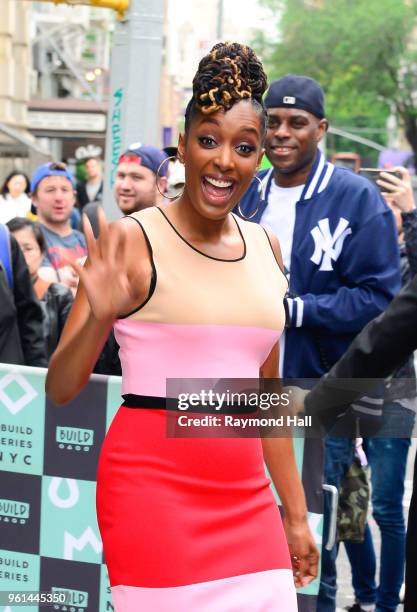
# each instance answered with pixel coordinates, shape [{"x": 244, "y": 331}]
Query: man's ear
[
  {"x": 162, "y": 184},
  {"x": 181, "y": 148},
  {"x": 322, "y": 128}
]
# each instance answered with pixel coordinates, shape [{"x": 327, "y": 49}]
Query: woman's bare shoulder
[{"x": 134, "y": 234}]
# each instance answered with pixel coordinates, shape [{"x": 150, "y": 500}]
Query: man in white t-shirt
[{"x": 279, "y": 216}]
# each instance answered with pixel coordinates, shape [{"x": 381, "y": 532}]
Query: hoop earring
[
  {"x": 174, "y": 157},
  {"x": 249, "y": 217}
]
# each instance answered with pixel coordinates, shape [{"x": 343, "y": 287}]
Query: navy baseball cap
[
  {"x": 50, "y": 169},
  {"x": 147, "y": 156},
  {"x": 295, "y": 91}
]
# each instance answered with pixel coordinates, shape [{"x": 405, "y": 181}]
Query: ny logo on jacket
[{"x": 328, "y": 246}]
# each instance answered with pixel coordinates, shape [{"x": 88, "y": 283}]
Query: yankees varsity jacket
[{"x": 344, "y": 264}]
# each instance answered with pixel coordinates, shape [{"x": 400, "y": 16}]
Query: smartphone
[{"x": 373, "y": 174}]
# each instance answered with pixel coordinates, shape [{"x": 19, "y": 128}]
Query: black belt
[{"x": 162, "y": 403}]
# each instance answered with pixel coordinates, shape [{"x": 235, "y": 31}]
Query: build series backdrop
[{"x": 49, "y": 538}]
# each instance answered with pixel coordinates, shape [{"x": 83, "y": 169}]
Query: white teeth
[{"x": 217, "y": 183}]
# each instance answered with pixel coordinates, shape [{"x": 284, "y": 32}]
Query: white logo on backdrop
[
  {"x": 29, "y": 393},
  {"x": 73, "y": 492},
  {"x": 72, "y": 543}
]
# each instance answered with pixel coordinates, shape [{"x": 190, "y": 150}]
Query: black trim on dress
[
  {"x": 201, "y": 252},
  {"x": 152, "y": 285}
]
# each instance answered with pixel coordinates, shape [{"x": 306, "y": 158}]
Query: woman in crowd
[
  {"x": 14, "y": 198},
  {"x": 56, "y": 299},
  {"x": 193, "y": 292}
]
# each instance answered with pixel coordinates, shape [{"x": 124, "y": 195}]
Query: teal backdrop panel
[
  {"x": 69, "y": 527},
  {"x": 22, "y": 420}
]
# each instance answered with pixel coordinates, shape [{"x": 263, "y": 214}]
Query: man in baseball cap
[
  {"x": 138, "y": 184},
  {"x": 50, "y": 169},
  {"x": 294, "y": 91},
  {"x": 53, "y": 194},
  {"x": 338, "y": 242},
  {"x": 296, "y": 104}
]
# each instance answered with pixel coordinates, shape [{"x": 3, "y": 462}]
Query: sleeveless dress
[{"x": 191, "y": 524}]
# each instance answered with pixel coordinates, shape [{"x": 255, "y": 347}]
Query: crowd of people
[
  {"x": 347, "y": 247},
  {"x": 41, "y": 220}
]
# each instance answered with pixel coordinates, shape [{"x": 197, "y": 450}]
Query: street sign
[{"x": 120, "y": 6}]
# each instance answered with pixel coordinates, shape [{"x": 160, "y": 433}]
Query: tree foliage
[{"x": 363, "y": 53}]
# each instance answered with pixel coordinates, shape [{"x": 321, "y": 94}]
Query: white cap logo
[{"x": 289, "y": 100}]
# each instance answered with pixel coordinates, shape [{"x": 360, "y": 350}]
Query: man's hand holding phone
[{"x": 397, "y": 191}]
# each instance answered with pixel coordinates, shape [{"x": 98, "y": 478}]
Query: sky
[
  {"x": 249, "y": 14},
  {"x": 240, "y": 16},
  {"x": 192, "y": 26}
]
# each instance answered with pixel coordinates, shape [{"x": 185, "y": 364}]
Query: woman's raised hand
[{"x": 111, "y": 290}]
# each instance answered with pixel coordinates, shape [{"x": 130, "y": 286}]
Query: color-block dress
[{"x": 191, "y": 525}]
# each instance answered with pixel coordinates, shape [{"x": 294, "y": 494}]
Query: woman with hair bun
[{"x": 190, "y": 524}]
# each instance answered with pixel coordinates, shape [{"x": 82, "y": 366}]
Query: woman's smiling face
[{"x": 221, "y": 152}]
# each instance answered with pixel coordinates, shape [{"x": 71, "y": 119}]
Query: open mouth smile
[{"x": 217, "y": 190}]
